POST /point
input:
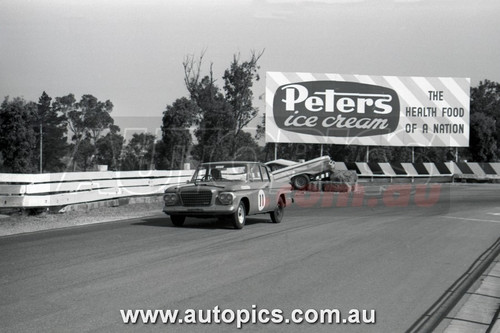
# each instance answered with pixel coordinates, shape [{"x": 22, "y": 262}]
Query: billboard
[{"x": 367, "y": 110}]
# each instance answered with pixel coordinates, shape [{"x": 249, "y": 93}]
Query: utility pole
[{"x": 41, "y": 145}]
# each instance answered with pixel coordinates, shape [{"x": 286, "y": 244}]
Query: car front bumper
[{"x": 213, "y": 210}]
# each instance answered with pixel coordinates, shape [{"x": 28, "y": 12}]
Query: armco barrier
[{"x": 61, "y": 189}]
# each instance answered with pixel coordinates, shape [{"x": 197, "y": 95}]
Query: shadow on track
[{"x": 198, "y": 223}]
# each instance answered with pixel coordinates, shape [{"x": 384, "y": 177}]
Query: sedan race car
[
  {"x": 229, "y": 190},
  {"x": 300, "y": 174}
]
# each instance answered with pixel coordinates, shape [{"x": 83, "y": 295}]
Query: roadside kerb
[
  {"x": 479, "y": 309},
  {"x": 439, "y": 310}
]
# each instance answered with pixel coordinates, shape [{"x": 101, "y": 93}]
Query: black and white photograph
[{"x": 250, "y": 166}]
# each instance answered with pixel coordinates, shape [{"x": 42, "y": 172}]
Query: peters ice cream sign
[{"x": 367, "y": 110}]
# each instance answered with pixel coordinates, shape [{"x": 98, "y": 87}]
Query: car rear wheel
[
  {"x": 278, "y": 212},
  {"x": 300, "y": 182},
  {"x": 239, "y": 217},
  {"x": 177, "y": 220}
]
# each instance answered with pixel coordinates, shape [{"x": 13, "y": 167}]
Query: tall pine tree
[{"x": 54, "y": 145}]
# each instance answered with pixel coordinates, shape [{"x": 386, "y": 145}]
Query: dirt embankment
[{"x": 16, "y": 222}]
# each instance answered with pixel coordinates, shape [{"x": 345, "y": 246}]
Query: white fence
[{"x": 61, "y": 189}]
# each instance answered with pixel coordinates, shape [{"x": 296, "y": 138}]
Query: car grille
[{"x": 196, "y": 198}]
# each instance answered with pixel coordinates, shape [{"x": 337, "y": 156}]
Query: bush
[{"x": 344, "y": 176}]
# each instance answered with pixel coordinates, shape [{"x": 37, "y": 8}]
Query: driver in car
[{"x": 216, "y": 175}]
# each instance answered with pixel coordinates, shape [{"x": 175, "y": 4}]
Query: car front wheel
[
  {"x": 239, "y": 217},
  {"x": 177, "y": 220},
  {"x": 278, "y": 212},
  {"x": 300, "y": 182}
]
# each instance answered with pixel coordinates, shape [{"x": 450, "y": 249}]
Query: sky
[{"x": 131, "y": 52}]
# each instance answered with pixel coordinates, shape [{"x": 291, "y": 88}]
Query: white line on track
[{"x": 469, "y": 219}]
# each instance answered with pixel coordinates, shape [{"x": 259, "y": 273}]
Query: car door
[
  {"x": 271, "y": 194},
  {"x": 259, "y": 197}
]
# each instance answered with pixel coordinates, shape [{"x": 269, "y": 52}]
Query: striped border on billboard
[{"x": 367, "y": 110}]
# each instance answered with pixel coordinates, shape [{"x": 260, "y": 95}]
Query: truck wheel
[
  {"x": 239, "y": 217},
  {"x": 177, "y": 220},
  {"x": 300, "y": 182},
  {"x": 279, "y": 211}
]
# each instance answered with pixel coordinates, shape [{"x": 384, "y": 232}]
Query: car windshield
[{"x": 220, "y": 172}]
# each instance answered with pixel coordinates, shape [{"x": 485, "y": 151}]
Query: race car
[{"x": 228, "y": 190}]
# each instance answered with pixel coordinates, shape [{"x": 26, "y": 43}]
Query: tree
[
  {"x": 222, "y": 116},
  {"x": 485, "y": 99},
  {"x": 88, "y": 118},
  {"x": 67, "y": 106},
  {"x": 176, "y": 137},
  {"x": 85, "y": 158},
  {"x": 109, "y": 148},
  {"x": 95, "y": 116},
  {"x": 482, "y": 145},
  {"x": 261, "y": 128},
  {"x": 17, "y": 137},
  {"x": 214, "y": 133},
  {"x": 53, "y": 129},
  {"x": 214, "y": 119},
  {"x": 238, "y": 82},
  {"x": 247, "y": 148},
  {"x": 139, "y": 152}
]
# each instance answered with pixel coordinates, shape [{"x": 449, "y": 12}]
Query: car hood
[{"x": 218, "y": 186}]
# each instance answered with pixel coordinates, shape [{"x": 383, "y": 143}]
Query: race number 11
[{"x": 261, "y": 200}]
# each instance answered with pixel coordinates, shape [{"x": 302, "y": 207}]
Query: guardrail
[{"x": 62, "y": 189}]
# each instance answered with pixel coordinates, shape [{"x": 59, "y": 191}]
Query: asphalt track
[{"x": 395, "y": 250}]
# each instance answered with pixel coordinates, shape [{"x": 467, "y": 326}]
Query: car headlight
[
  {"x": 170, "y": 198},
  {"x": 226, "y": 198}
]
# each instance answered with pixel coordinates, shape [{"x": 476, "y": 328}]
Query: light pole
[{"x": 41, "y": 145}]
